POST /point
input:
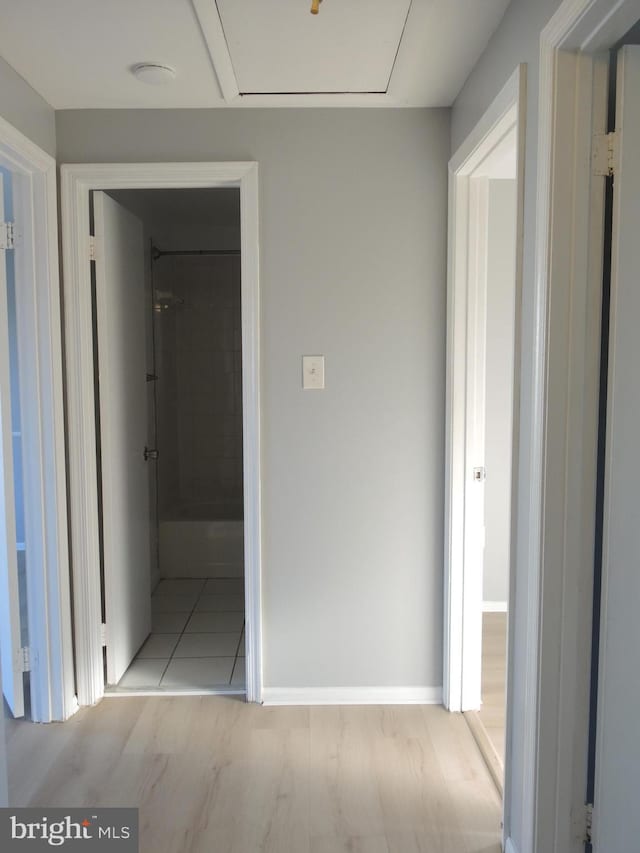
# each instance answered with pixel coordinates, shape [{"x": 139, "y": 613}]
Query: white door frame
[
  {"x": 466, "y": 333},
  {"x": 42, "y": 417},
  {"x": 544, "y": 801},
  {"x": 77, "y": 182},
  {"x": 4, "y": 778}
]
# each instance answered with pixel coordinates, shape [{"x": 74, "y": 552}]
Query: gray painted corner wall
[
  {"x": 501, "y": 289},
  {"x": 353, "y": 208},
  {"x": 517, "y": 40},
  {"x": 26, "y": 110}
]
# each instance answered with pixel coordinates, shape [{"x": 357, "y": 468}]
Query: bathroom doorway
[
  {"x": 167, "y": 297},
  {"x": 90, "y": 528}
]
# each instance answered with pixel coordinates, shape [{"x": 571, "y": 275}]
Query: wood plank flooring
[
  {"x": 494, "y": 669},
  {"x": 488, "y": 725},
  {"x": 212, "y": 774}
]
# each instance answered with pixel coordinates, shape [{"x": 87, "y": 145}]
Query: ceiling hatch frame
[{"x": 210, "y": 21}]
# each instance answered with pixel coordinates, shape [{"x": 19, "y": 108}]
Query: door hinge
[
  {"x": 605, "y": 154},
  {"x": 480, "y": 474},
  {"x": 7, "y": 235},
  {"x": 92, "y": 247},
  {"x": 103, "y": 635},
  {"x": 23, "y": 659},
  {"x": 588, "y": 823}
]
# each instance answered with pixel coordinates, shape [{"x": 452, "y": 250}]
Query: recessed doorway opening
[
  {"x": 483, "y": 366},
  {"x": 171, "y": 373},
  {"x": 168, "y": 295}
]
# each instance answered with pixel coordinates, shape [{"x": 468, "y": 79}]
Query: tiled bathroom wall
[{"x": 199, "y": 364}]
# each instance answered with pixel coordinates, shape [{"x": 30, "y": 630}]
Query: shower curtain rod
[{"x": 158, "y": 253}]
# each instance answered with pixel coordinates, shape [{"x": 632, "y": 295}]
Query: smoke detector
[{"x": 153, "y": 73}]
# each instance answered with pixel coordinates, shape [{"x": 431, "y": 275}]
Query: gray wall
[
  {"x": 517, "y": 40},
  {"x": 353, "y": 246},
  {"x": 25, "y": 109},
  {"x": 501, "y": 288}
]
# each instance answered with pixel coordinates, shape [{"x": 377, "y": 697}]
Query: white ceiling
[
  {"x": 77, "y": 53},
  {"x": 280, "y": 47}
]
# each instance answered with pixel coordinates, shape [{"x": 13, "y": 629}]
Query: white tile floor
[{"x": 196, "y": 640}]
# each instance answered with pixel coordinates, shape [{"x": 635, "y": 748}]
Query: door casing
[
  {"x": 466, "y": 308},
  {"x": 77, "y": 181},
  {"x": 545, "y": 780},
  {"x": 33, "y": 171}
]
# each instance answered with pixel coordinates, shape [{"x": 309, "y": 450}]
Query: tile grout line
[
  {"x": 200, "y": 594},
  {"x": 188, "y": 619},
  {"x": 190, "y": 614},
  {"x": 235, "y": 660}
]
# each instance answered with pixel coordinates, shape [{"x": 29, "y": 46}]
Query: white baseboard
[
  {"x": 510, "y": 846},
  {"x": 494, "y": 606},
  {"x": 352, "y": 695}
]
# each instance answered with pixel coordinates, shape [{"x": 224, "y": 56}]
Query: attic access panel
[{"x": 278, "y": 47}]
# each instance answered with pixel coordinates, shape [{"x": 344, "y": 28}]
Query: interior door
[
  {"x": 10, "y": 640},
  {"x": 475, "y": 450},
  {"x": 120, "y": 309},
  {"x": 616, "y": 825}
]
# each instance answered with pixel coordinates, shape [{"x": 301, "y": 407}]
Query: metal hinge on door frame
[
  {"x": 605, "y": 154},
  {"x": 588, "y": 823},
  {"x": 103, "y": 634},
  {"x": 92, "y": 247},
  {"x": 23, "y": 659},
  {"x": 7, "y": 235}
]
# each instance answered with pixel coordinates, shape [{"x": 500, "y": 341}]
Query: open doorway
[
  {"x": 152, "y": 508},
  {"x": 169, "y": 392},
  {"x": 34, "y": 594},
  {"x": 14, "y": 621},
  {"x": 482, "y": 427},
  {"x": 496, "y": 180}
]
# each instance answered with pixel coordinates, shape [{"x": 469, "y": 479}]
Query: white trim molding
[
  {"x": 559, "y": 515},
  {"x": 462, "y": 580},
  {"x": 352, "y": 695},
  {"x": 42, "y": 418},
  {"x": 495, "y": 606},
  {"x": 124, "y": 693},
  {"x": 510, "y": 846},
  {"x": 77, "y": 182}
]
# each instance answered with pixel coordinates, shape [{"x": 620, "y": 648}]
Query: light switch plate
[{"x": 313, "y": 372}]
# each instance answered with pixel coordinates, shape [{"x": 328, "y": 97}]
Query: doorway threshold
[
  {"x": 119, "y": 692},
  {"x": 487, "y": 749}
]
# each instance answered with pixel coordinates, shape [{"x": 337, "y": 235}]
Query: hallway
[{"x": 214, "y": 773}]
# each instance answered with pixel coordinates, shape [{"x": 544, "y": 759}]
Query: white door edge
[
  {"x": 550, "y": 778},
  {"x": 52, "y": 683},
  {"x": 463, "y": 600},
  {"x": 10, "y": 621},
  {"x": 464, "y": 391}
]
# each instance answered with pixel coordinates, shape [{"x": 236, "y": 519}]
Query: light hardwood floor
[
  {"x": 494, "y": 669},
  {"x": 213, "y": 774},
  {"x": 488, "y": 725}
]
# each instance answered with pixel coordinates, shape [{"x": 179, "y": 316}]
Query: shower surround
[{"x": 197, "y": 328}]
